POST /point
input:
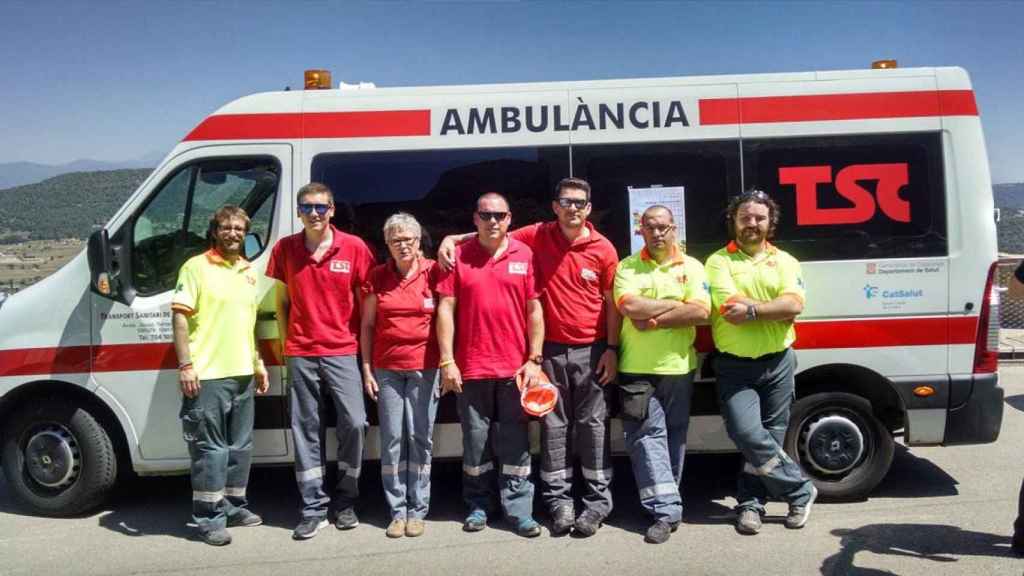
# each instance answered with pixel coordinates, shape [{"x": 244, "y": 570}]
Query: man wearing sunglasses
[
  {"x": 758, "y": 291},
  {"x": 575, "y": 272},
  {"x": 490, "y": 329},
  {"x": 320, "y": 271}
]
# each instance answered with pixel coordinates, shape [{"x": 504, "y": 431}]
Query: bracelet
[
  {"x": 184, "y": 365},
  {"x": 447, "y": 362},
  {"x": 614, "y": 347}
]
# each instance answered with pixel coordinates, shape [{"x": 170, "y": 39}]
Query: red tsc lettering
[{"x": 891, "y": 178}]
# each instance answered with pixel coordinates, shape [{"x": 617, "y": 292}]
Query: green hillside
[{"x": 65, "y": 206}]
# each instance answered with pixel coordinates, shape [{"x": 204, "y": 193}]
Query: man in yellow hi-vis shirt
[
  {"x": 662, "y": 295},
  {"x": 757, "y": 291}
]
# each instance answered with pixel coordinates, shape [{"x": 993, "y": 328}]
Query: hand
[
  {"x": 530, "y": 375},
  {"x": 446, "y": 253},
  {"x": 189, "y": 381},
  {"x": 262, "y": 379},
  {"x": 644, "y": 325},
  {"x": 370, "y": 385},
  {"x": 451, "y": 379},
  {"x": 735, "y": 312},
  {"x": 607, "y": 367}
]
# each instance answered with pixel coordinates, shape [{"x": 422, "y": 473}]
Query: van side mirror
[{"x": 100, "y": 264}]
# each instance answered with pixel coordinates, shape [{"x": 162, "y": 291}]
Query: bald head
[
  {"x": 489, "y": 199},
  {"x": 657, "y": 210}
]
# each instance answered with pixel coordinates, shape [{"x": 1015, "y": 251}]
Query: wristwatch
[
  {"x": 538, "y": 359},
  {"x": 751, "y": 312}
]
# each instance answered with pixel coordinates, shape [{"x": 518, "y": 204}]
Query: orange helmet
[{"x": 539, "y": 400}]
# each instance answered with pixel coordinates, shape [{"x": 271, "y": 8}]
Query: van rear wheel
[
  {"x": 840, "y": 444},
  {"x": 58, "y": 459}
]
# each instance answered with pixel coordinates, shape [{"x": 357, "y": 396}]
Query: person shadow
[
  {"x": 1016, "y": 402},
  {"x": 933, "y": 542}
]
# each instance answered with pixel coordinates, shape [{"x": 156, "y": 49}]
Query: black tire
[
  {"x": 72, "y": 466},
  {"x": 839, "y": 444}
]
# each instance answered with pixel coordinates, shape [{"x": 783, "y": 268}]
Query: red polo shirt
[
  {"x": 323, "y": 319},
  {"x": 490, "y": 310},
  {"x": 404, "y": 337},
  {"x": 571, "y": 278}
]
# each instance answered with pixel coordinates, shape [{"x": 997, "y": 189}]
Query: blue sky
[{"x": 118, "y": 80}]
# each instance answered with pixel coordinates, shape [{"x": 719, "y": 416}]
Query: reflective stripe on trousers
[{"x": 406, "y": 408}]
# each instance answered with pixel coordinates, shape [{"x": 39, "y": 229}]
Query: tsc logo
[
  {"x": 342, "y": 266},
  {"x": 517, "y": 268},
  {"x": 588, "y": 275},
  {"x": 890, "y": 177}
]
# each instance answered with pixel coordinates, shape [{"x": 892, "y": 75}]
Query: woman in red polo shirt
[{"x": 400, "y": 359}]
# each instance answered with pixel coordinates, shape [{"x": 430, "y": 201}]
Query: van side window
[
  {"x": 438, "y": 187},
  {"x": 854, "y": 197},
  {"x": 171, "y": 227},
  {"x": 709, "y": 172}
]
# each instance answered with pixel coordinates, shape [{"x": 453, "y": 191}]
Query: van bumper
[{"x": 978, "y": 419}]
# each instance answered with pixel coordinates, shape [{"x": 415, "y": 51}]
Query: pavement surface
[{"x": 939, "y": 511}]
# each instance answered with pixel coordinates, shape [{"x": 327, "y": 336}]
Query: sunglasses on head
[
  {"x": 495, "y": 216},
  {"x": 307, "y": 208},
  {"x": 578, "y": 203}
]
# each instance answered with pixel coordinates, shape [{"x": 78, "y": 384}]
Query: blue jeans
[
  {"x": 657, "y": 444},
  {"x": 755, "y": 396},
  {"x": 481, "y": 403},
  {"x": 406, "y": 407}
]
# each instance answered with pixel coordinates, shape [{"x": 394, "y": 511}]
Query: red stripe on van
[
  {"x": 368, "y": 124},
  {"x": 824, "y": 107}
]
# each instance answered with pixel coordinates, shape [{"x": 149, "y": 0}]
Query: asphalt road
[{"x": 940, "y": 511}]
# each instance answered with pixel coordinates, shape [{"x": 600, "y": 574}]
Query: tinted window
[
  {"x": 853, "y": 197},
  {"x": 708, "y": 171},
  {"x": 438, "y": 187}
]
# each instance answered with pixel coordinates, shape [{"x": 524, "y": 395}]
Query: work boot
[
  {"x": 798, "y": 513},
  {"x": 308, "y": 528},
  {"x": 748, "y": 521},
  {"x": 244, "y": 518},
  {"x": 562, "y": 520},
  {"x": 218, "y": 537},
  {"x": 659, "y": 532},
  {"x": 588, "y": 523}
]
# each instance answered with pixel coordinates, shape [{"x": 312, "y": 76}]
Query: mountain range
[{"x": 20, "y": 173}]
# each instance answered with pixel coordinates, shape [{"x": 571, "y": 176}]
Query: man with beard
[
  {"x": 575, "y": 273},
  {"x": 757, "y": 291},
  {"x": 662, "y": 295},
  {"x": 214, "y": 319},
  {"x": 490, "y": 329}
]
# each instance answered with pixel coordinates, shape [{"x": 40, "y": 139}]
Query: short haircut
[
  {"x": 757, "y": 197},
  {"x": 653, "y": 207},
  {"x": 401, "y": 221},
  {"x": 577, "y": 183},
  {"x": 223, "y": 214},
  {"x": 488, "y": 195},
  {"x": 314, "y": 188}
]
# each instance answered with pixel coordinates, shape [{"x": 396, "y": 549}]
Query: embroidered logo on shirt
[
  {"x": 343, "y": 266},
  {"x": 588, "y": 275},
  {"x": 428, "y": 303},
  {"x": 251, "y": 280},
  {"x": 518, "y": 268}
]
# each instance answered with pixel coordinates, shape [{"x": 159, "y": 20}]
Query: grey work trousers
[
  {"x": 340, "y": 378},
  {"x": 576, "y": 428},
  {"x": 755, "y": 395},
  {"x": 217, "y": 427},
  {"x": 657, "y": 443},
  {"x": 481, "y": 404}
]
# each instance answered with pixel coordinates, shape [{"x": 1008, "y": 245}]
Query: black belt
[{"x": 772, "y": 356}]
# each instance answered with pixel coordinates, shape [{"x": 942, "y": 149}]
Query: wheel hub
[
  {"x": 834, "y": 444},
  {"x": 52, "y": 457}
]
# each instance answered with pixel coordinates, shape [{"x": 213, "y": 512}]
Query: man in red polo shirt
[
  {"x": 576, "y": 275},
  {"x": 321, "y": 270},
  {"x": 490, "y": 328}
]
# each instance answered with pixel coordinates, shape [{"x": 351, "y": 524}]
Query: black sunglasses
[
  {"x": 307, "y": 208},
  {"x": 495, "y": 216},
  {"x": 579, "y": 203}
]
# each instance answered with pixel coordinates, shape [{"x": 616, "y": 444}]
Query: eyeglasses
[
  {"x": 232, "y": 229},
  {"x": 578, "y": 203},
  {"x": 403, "y": 241},
  {"x": 307, "y": 209},
  {"x": 495, "y": 216},
  {"x": 659, "y": 230}
]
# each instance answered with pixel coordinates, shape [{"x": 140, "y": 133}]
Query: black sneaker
[
  {"x": 218, "y": 537},
  {"x": 798, "y": 514},
  {"x": 748, "y": 521},
  {"x": 659, "y": 532},
  {"x": 244, "y": 518},
  {"x": 562, "y": 520},
  {"x": 346, "y": 519},
  {"x": 308, "y": 528},
  {"x": 588, "y": 523}
]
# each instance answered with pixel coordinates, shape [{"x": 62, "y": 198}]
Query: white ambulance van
[{"x": 882, "y": 177}]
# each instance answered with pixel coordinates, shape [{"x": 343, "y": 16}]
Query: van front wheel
[
  {"x": 839, "y": 443},
  {"x": 57, "y": 458}
]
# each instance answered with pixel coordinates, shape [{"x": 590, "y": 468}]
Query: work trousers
[
  {"x": 217, "y": 427},
  {"x": 657, "y": 442},
  {"x": 481, "y": 404},
  {"x": 576, "y": 428},
  {"x": 339, "y": 377},
  {"x": 406, "y": 407},
  {"x": 755, "y": 396}
]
